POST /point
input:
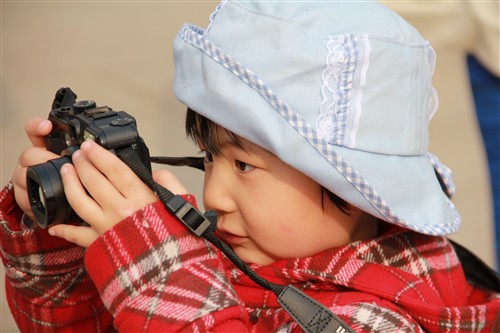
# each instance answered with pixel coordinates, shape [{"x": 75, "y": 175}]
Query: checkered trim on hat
[
  {"x": 444, "y": 173},
  {"x": 197, "y": 38}
]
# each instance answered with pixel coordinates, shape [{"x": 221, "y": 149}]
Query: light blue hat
[{"x": 338, "y": 90}]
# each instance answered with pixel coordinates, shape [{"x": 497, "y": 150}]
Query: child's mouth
[{"x": 231, "y": 238}]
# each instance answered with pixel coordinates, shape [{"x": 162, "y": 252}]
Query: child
[{"x": 313, "y": 120}]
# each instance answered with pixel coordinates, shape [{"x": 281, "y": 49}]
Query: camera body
[{"x": 74, "y": 122}]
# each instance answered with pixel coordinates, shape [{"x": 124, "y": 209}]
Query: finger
[
  {"x": 113, "y": 205},
  {"x": 23, "y": 202},
  {"x": 28, "y": 157},
  {"x": 117, "y": 172},
  {"x": 83, "y": 205},
  {"x": 36, "y": 129},
  {"x": 97, "y": 185},
  {"x": 83, "y": 236},
  {"x": 168, "y": 180},
  {"x": 35, "y": 155},
  {"x": 112, "y": 202}
]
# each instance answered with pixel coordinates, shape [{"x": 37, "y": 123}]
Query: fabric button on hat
[{"x": 341, "y": 91}]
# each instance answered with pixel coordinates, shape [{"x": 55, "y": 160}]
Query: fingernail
[
  {"x": 43, "y": 124},
  {"x": 64, "y": 169},
  {"x": 52, "y": 232},
  {"x": 86, "y": 145}
]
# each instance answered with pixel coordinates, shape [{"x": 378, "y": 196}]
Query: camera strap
[{"x": 310, "y": 315}]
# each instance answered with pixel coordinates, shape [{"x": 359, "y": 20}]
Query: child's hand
[
  {"x": 36, "y": 129},
  {"x": 114, "y": 192}
]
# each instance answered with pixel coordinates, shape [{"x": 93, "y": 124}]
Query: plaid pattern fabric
[
  {"x": 152, "y": 275},
  {"x": 46, "y": 282},
  {"x": 399, "y": 282},
  {"x": 163, "y": 276}
]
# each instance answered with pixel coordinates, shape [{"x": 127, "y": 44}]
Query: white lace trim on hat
[
  {"x": 336, "y": 89},
  {"x": 344, "y": 78}
]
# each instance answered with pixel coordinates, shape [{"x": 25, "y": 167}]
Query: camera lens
[
  {"x": 41, "y": 204},
  {"x": 46, "y": 192}
]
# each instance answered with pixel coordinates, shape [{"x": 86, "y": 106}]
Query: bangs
[{"x": 208, "y": 135}]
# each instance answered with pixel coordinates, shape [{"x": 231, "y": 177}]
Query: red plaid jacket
[{"x": 149, "y": 274}]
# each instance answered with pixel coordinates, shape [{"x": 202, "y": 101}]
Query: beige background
[{"x": 119, "y": 54}]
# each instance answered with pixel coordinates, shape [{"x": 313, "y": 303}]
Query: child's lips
[{"x": 231, "y": 238}]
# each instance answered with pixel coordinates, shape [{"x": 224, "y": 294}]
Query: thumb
[
  {"x": 167, "y": 179},
  {"x": 37, "y": 128}
]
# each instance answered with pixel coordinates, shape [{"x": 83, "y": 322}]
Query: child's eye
[{"x": 243, "y": 167}]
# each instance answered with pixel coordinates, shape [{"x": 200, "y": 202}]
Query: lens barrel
[{"x": 46, "y": 192}]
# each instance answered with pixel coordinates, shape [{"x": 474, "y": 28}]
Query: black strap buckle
[
  {"x": 312, "y": 316},
  {"x": 189, "y": 215}
]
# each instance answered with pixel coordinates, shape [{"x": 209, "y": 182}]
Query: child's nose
[{"x": 217, "y": 190}]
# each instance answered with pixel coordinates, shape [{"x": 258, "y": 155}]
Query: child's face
[{"x": 269, "y": 211}]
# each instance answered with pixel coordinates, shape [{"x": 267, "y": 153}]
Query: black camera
[{"x": 73, "y": 122}]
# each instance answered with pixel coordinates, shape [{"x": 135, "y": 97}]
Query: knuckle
[
  {"x": 25, "y": 157},
  {"x": 126, "y": 209}
]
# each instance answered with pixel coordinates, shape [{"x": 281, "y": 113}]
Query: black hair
[{"x": 205, "y": 132}]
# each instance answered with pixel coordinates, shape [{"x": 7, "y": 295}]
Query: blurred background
[{"x": 119, "y": 54}]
